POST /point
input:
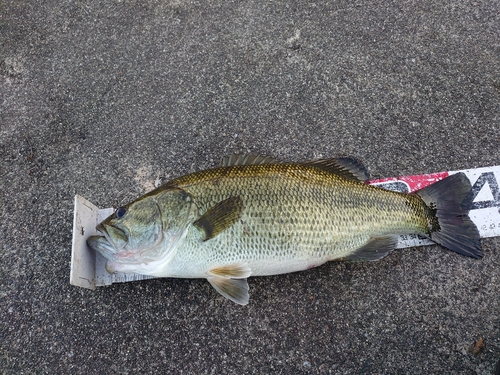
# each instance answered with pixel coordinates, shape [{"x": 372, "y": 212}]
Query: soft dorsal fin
[
  {"x": 348, "y": 168},
  {"x": 220, "y": 217},
  {"x": 246, "y": 159}
]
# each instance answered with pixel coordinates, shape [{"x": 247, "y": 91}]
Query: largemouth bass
[{"x": 254, "y": 216}]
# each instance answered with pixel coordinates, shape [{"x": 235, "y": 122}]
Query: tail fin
[{"x": 448, "y": 203}]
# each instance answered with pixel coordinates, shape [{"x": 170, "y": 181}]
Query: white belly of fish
[{"x": 264, "y": 256}]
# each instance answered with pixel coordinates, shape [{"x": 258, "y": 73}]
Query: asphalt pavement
[{"x": 108, "y": 99}]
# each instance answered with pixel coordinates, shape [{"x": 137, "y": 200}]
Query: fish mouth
[
  {"x": 101, "y": 228},
  {"x": 116, "y": 237},
  {"x": 111, "y": 243},
  {"x": 102, "y": 245}
]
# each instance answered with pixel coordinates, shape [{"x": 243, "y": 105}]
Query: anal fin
[{"x": 376, "y": 248}]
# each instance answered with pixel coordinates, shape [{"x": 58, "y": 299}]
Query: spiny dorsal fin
[
  {"x": 246, "y": 159},
  {"x": 348, "y": 168},
  {"x": 376, "y": 248},
  {"x": 234, "y": 289},
  {"x": 220, "y": 217}
]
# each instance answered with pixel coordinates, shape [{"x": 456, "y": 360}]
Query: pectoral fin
[
  {"x": 375, "y": 249},
  {"x": 220, "y": 217},
  {"x": 234, "y": 289}
]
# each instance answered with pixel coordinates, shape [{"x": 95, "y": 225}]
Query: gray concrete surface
[{"x": 105, "y": 98}]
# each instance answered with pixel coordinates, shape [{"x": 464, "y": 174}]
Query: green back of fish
[{"x": 294, "y": 213}]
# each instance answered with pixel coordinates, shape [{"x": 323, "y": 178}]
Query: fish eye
[{"x": 120, "y": 212}]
